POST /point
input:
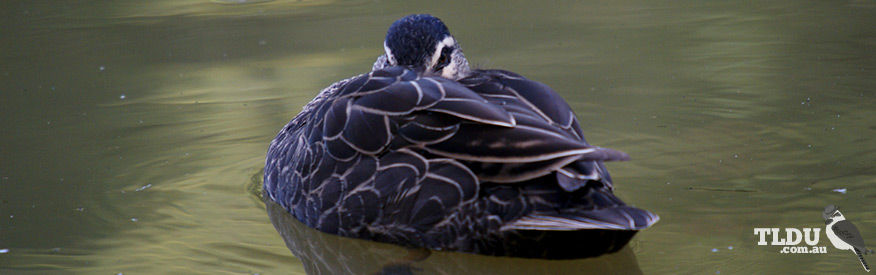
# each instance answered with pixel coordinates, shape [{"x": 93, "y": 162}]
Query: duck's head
[{"x": 424, "y": 43}]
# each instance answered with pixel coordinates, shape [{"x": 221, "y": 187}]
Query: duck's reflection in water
[{"x": 322, "y": 253}]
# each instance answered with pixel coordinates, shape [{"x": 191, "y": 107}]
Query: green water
[{"x": 133, "y": 132}]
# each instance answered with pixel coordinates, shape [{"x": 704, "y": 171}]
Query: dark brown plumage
[{"x": 490, "y": 163}]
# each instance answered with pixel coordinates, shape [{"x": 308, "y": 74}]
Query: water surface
[{"x": 133, "y": 133}]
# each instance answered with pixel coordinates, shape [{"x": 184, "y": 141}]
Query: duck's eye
[{"x": 444, "y": 59}]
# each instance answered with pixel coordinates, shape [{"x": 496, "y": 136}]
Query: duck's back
[{"x": 493, "y": 163}]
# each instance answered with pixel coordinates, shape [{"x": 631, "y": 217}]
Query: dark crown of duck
[
  {"x": 424, "y": 43},
  {"x": 423, "y": 151}
]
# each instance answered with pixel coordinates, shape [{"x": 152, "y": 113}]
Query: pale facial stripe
[
  {"x": 389, "y": 55},
  {"x": 446, "y": 42}
]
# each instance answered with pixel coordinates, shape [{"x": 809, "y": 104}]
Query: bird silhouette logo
[{"x": 844, "y": 235}]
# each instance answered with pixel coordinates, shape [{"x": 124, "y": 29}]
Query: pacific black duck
[{"x": 424, "y": 151}]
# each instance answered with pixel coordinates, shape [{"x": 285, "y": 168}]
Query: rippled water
[{"x": 133, "y": 133}]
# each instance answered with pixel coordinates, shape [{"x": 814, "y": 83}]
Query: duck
[{"x": 425, "y": 151}]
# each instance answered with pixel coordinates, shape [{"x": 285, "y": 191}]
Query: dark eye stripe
[{"x": 444, "y": 59}]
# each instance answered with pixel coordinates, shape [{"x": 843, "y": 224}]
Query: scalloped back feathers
[{"x": 418, "y": 160}]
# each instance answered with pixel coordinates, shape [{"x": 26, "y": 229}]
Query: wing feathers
[
  {"x": 523, "y": 122},
  {"x": 613, "y": 218},
  {"x": 497, "y": 127}
]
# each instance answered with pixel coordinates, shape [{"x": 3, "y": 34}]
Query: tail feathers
[
  {"x": 605, "y": 154},
  {"x": 861, "y": 258},
  {"x": 612, "y": 218}
]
